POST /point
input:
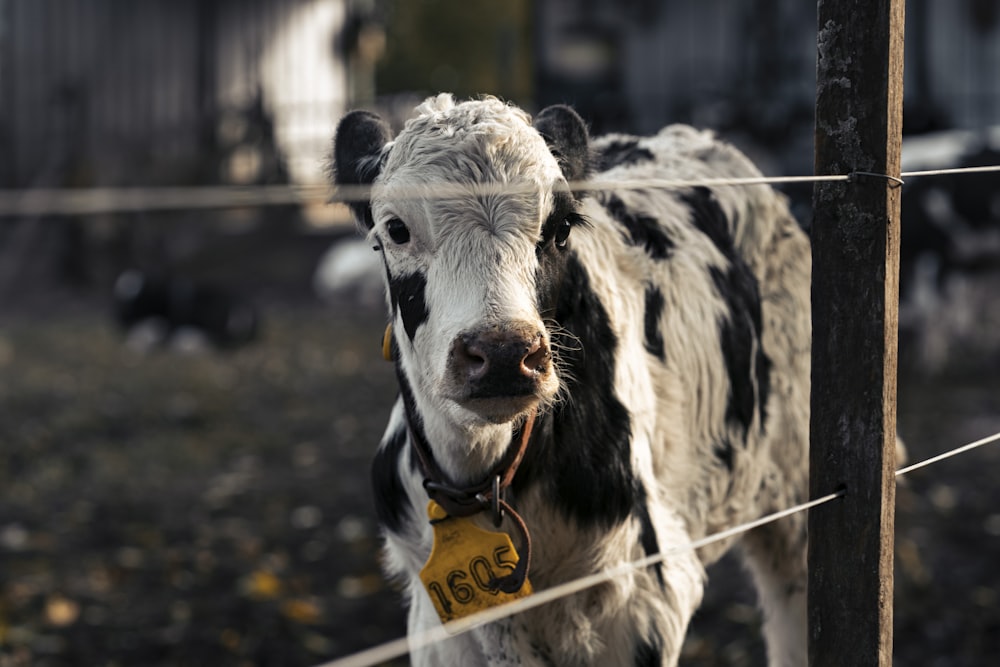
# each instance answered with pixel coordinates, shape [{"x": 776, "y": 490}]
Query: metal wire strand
[{"x": 93, "y": 201}]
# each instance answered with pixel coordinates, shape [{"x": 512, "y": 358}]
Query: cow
[
  {"x": 594, "y": 366},
  {"x": 950, "y": 250},
  {"x": 157, "y": 308}
]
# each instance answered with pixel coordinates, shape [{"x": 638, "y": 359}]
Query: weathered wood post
[{"x": 855, "y": 238}]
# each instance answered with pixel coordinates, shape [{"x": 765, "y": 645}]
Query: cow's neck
[{"x": 463, "y": 455}]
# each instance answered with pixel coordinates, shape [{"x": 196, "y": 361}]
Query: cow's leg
[{"x": 776, "y": 556}]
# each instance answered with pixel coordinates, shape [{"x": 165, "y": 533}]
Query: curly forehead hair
[
  {"x": 470, "y": 139},
  {"x": 442, "y": 109}
]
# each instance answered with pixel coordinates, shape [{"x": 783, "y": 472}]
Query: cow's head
[{"x": 469, "y": 211}]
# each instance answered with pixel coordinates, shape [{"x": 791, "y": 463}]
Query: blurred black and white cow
[
  {"x": 950, "y": 253},
  {"x": 640, "y": 358},
  {"x": 157, "y": 309}
]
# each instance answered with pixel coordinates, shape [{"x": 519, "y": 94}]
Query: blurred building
[
  {"x": 952, "y": 51},
  {"x": 637, "y": 64},
  {"x": 113, "y": 93},
  {"x": 117, "y": 92},
  {"x": 749, "y": 67}
]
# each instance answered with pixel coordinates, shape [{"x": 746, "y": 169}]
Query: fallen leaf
[
  {"x": 302, "y": 611},
  {"x": 60, "y": 611},
  {"x": 263, "y": 585}
]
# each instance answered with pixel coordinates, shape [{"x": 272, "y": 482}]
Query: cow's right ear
[
  {"x": 566, "y": 135},
  {"x": 357, "y": 156}
]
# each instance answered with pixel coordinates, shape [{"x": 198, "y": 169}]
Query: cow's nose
[{"x": 495, "y": 362}]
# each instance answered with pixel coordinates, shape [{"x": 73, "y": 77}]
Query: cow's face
[{"x": 472, "y": 225}]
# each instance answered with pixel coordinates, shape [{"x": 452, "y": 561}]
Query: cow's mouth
[{"x": 501, "y": 409}]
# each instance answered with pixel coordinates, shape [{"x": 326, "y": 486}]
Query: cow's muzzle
[{"x": 499, "y": 372}]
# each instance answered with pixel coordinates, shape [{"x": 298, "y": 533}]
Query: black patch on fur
[
  {"x": 763, "y": 370},
  {"x": 708, "y": 216},
  {"x": 647, "y": 535},
  {"x": 649, "y": 653},
  {"x": 741, "y": 331},
  {"x": 642, "y": 230},
  {"x": 581, "y": 451},
  {"x": 552, "y": 259},
  {"x": 724, "y": 452},
  {"x": 413, "y": 419},
  {"x": 391, "y": 504},
  {"x": 414, "y": 422},
  {"x": 407, "y": 296},
  {"x": 740, "y": 334},
  {"x": 654, "y": 309},
  {"x": 623, "y": 152}
]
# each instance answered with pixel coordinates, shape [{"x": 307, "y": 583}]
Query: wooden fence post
[{"x": 855, "y": 239}]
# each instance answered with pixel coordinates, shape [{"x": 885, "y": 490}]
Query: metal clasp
[{"x": 491, "y": 500}]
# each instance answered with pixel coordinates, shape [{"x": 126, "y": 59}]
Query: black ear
[
  {"x": 566, "y": 134},
  {"x": 357, "y": 155}
]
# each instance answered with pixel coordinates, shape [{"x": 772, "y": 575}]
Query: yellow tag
[
  {"x": 387, "y": 343},
  {"x": 464, "y": 560}
]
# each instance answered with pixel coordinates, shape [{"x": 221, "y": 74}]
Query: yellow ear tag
[
  {"x": 387, "y": 343},
  {"x": 464, "y": 560}
]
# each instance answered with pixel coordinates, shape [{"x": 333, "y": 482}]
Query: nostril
[
  {"x": 537, "y": 358},
  {"x": 471, "y": 358}
]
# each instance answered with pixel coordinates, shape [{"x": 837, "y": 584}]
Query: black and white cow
[{"x": 641, "y": 353}]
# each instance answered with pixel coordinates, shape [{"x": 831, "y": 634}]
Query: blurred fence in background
[{"x": 182, "y": 92}]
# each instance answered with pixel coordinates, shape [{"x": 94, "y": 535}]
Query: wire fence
[
  {"x": 399, "y": 647},
  {"x": 39, "y": 203},
  {"x": 93, "y": 201}
]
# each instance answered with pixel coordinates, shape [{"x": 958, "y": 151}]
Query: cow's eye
[
  {"x": 562, "y": 233},
  {"x": 398, "y": 231}
]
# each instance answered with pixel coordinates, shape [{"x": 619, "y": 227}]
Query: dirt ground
[{"x": 206, "y": 508}]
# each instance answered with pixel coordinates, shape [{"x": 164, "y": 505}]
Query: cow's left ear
[
  {"x": 566, "y": 134},
  {"x": 357, "y": 155}
]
